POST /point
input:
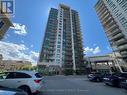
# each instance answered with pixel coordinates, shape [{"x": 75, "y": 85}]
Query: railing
[
  {"x": 114, "y": 26},
  {"x": 121, "y": 41},
  {"x": 114, "y": 32},
  {"x": 123, "y": 47}
]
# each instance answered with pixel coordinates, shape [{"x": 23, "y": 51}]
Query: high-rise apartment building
[
  {"x": 62, "y": 44},
  {"x": 113, "y": 17},
  {"x": 4, "y": 25}
]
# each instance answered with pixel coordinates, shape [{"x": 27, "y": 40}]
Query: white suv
[{"x": 29, "y": 81}]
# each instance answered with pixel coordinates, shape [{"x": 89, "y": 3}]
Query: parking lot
[{"x": 77, "y": 85}]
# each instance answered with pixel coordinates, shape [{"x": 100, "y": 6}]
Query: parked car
[
  {"x": 28, "y": 81},
  {"x": 115, "y": 79},
  {"x": 123, "y": 84},
  {"x": 11, "y": 91},
  {"x": 96, "y": 77}
]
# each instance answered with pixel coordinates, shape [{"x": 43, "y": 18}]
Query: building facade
[
  {"x": 4, "y": 25},
  {"x": 113, "y": 17},
  {"x": 13, "y": 65},
  {"x": 62, "y": 44}
]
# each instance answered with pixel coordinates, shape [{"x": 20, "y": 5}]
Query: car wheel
[{"x": 25, "y": 89}]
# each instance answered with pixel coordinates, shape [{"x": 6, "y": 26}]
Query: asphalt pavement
[{"x": 77, "y": 85}]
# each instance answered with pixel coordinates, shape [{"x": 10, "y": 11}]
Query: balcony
[
  {"x": 79, "y": 42},
  {"x": 52, "y": 41},
  {"x": 51, "y": 45},
  {"x": 121, "y": 41},
  {"x": 52, "y": 37},
  {"x": 52, "y": 58},
  {"x": 68, "y": 59},
  {"x": 113, "y": 33},
  {"x": 101, "y": 9},
  {"x": 78, "y": 32},
  {"x": 124, "y": 53},
  {"x": 124, "y": 56},
  {"x": 51, "y": 48},
  {"x": 107, "y": 21},
  {"x": 112, "y": 27},
  {"x": 68, "y": 65},
  {"x": 68, "y": 48},
  {"x": 118, "y": 36},
  {"x": 105, "y": 16},
  {"x": 122, "y": 47},
  {"x": 109, "y": 24},
  {"x": 52, "y": 34},
  {"x": 99, "y": 6},
  {"x": 78, "y": 35}
]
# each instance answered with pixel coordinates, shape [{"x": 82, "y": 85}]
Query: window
[
  {"x": 13, "y": 75},
  {"x": 59, "y": 35},
  {"x": 22, "y": 75},
  {"x": 58, "y": 50},
  {"x": 3, "y": 75},
  {"x": 59, "y": 42},
  {"x": 38, "y": 75},
  {"x": 1, "y": 24},
  {"x": 58, "y": 60},
  {"x": 58, "y": 46},
  {"x": 10, "y": 75}
]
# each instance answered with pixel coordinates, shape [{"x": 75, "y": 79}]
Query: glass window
[
  {"x": 3, "y": 75},
  {"x": 13, "y": 75},
  {"x": 59, "y": 35},
  {"x": 10, "y": 76},
  {"x": 38, "y": 75},
  {"x": 58, "y": 60},
  {"x": 58, "y": 50},
  {"x": 58, "y": 46},
  {"x": 59, "y": 42},
  {"x": 22, "y": 75}
]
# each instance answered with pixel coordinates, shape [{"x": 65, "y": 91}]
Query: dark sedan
[
  {"x": 123, "y": 84},
  {"x": 115, "y": 79},
  {"x": 96, "y": 77}
]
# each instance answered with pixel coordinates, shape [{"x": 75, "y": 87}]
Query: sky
[{"x": 24, "y": 41}]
